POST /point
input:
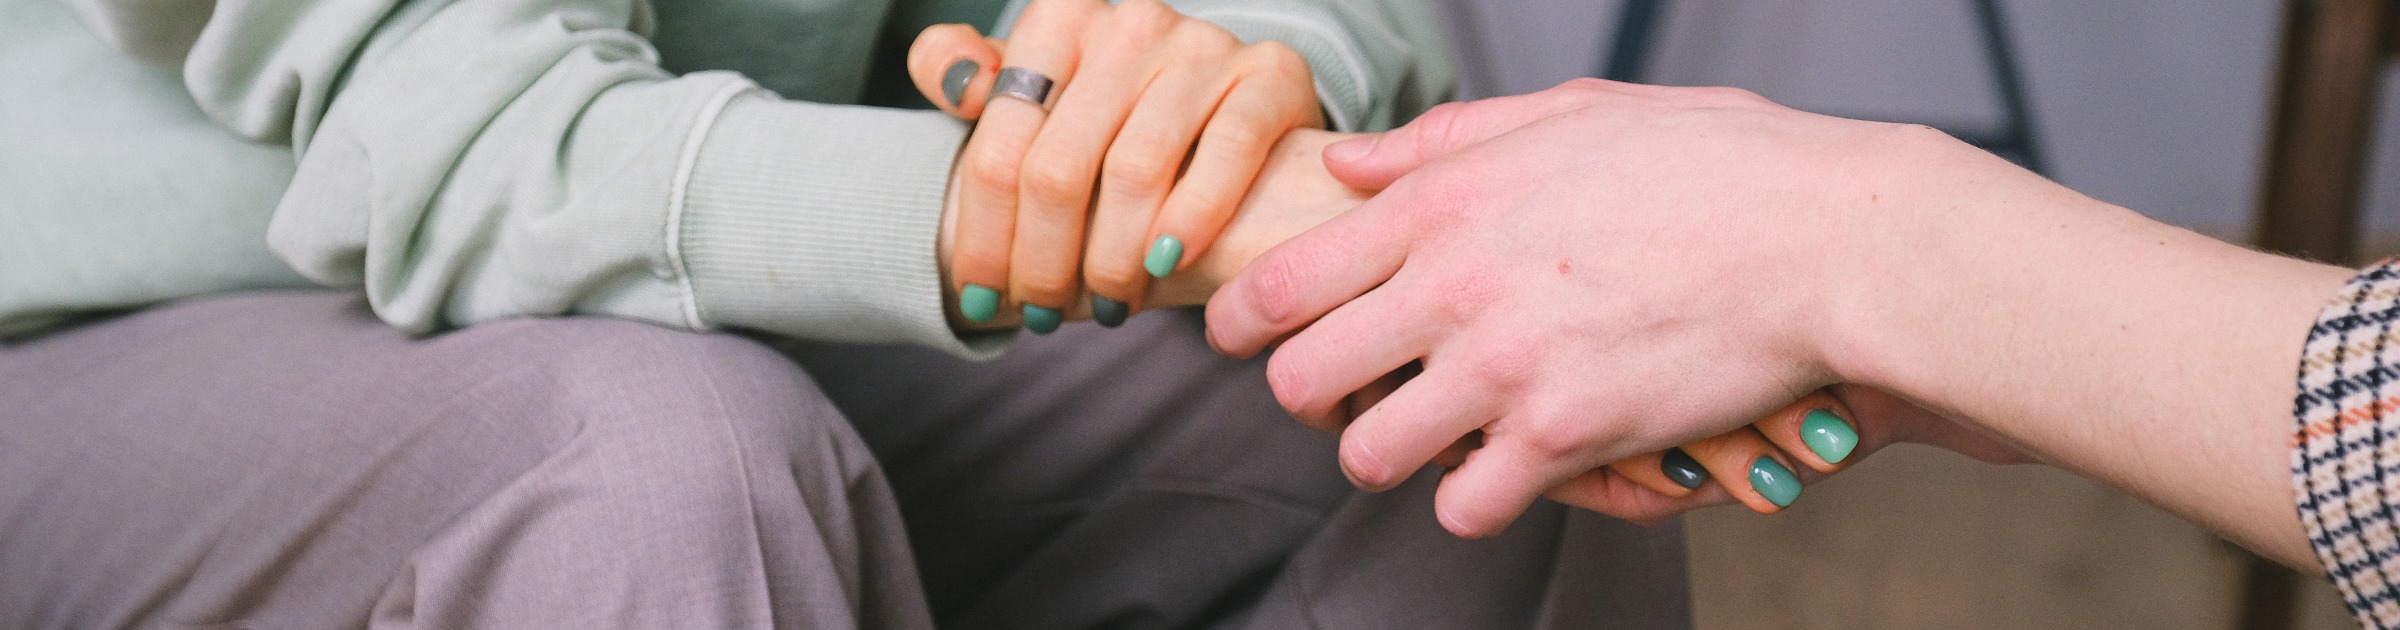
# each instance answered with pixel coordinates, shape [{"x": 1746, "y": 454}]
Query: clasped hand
[
  {"x": 1167, "y": 133},
  {"x": 1551, "y": 285}
]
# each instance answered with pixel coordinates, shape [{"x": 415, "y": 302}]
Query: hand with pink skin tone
[
  {"x": 1142, "y": 88},
  {"x": 1603, "y": 270}
]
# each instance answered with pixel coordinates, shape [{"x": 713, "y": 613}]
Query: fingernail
[
  {"x": 1109, "y": 313},
  {"x": 1682, "y": 469},
  {"x": 1775, "y": 482},
  {"x": 1164, "y": 253},
  {"x": 979, "y": 303},
  {"x": 1828, "y": 435},
  {"x": 1041, "y": 319},
  {"x": 1351, "y": 150},
  {"x": 954, "y": 81}
]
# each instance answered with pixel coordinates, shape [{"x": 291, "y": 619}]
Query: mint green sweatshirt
[{"x": 703, "y": 165}]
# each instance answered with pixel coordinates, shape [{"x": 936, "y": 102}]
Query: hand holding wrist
[{"x": 1291, "y": 194}]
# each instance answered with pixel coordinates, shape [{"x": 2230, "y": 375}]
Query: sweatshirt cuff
[{"x": 820, "y": 222}]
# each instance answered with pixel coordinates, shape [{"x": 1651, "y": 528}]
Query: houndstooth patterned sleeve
[{"x": 2346, "y": 464}]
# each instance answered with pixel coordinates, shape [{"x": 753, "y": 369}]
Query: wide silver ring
[{"x": 1030, "y": 86}]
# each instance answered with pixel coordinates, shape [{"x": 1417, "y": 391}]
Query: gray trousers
[{"x": 283, "y": 460}]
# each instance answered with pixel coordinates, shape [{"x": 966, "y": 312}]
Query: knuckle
[
  {"x": 1058, "y": 183},
  {"x": 1443, "y": 206},
  {"x": 1437, "y": 126},
  {"x": 1728, "y": 96},
  {"x": 1238, "y": 139},
  {"x": 1466, "y": 294},
  {"x": 1129, "y": 27},
  {"x": 1588, "y": 84},
  {"x": 1289, "y": 380},
  {"x": 1192, "y": 202},
  {"x": 1142, "y": 173},
  {"x": 1552, "y": 438},
  {"x": 1144, "y": 13},
  {"x": 1278, "y": 62},
  {"x": 1197, "y": 40},
  {"x": 992, "y": 170},
  {"x": 1505, "y": 364},
  {"x": 1914, "y": 132},
  {"x": 1278, "y": 292}
]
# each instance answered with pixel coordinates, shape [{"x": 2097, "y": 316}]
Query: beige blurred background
[{"x": 2157, "y": 105}]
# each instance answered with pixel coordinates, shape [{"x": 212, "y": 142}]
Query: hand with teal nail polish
[
  {"x": 1291, "y": 196},
  {"x": 1746, "y": 466},
  {"x": 1125, "y": 183}
]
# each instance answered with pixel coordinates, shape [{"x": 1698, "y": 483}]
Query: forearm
[{"x": 2145, "y": 356}]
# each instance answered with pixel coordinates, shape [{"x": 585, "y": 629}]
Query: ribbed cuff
[{"x": 820, "y": 222}]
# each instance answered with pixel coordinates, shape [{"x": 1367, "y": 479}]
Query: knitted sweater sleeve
[{"x": 2346, "y": 467}]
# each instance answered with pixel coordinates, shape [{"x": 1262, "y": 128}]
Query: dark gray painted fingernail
[
  {"x": 954, "y": 82},
  {"x": 1109, "y": 313},
  {"x": 1682, "y": 469}
]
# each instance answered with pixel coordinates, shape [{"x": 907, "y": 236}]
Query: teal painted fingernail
[
  {"x": 1775, "y": 482},
  {"x": 954, "y": 82},
  {"x": 1828, "y": 435},
  {"x": 1041, "y": 319},
  {"x": 1682, "y": 469},
  {"x": 979, "y": 303},
  {"x": 1109, "y": 313},
  {"x": 1164, "y": 253}
]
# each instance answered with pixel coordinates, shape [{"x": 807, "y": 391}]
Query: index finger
[{"x": 1302, "y": 279}]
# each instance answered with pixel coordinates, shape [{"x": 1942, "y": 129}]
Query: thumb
[
  {"x": 953, "y": 66},
  {"x": 1373, "y": 162}
]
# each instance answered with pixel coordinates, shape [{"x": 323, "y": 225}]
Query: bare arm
[
  {"x": 1603, "y": 270},
  {"x": 2145, "y": 356}
]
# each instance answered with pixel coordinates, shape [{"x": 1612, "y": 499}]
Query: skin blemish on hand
[{"x": 1565, "y": 266}]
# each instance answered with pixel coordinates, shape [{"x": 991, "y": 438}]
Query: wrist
[
  {"x": 1957, "y": 263},
  {"x": 1879, "y": 265}
]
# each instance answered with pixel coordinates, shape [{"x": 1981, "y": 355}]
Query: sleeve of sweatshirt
[{"x": 471, "y": 161}]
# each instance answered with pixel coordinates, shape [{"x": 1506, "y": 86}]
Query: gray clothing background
[{"x": 285, "y": 460}]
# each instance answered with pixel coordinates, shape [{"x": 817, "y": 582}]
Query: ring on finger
[{"x": 1024, "y": 84}]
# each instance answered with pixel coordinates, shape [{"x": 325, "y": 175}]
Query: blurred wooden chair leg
[
  {"x": 2332, "y": 58},
  {"x": 2333, "y": 51}
]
